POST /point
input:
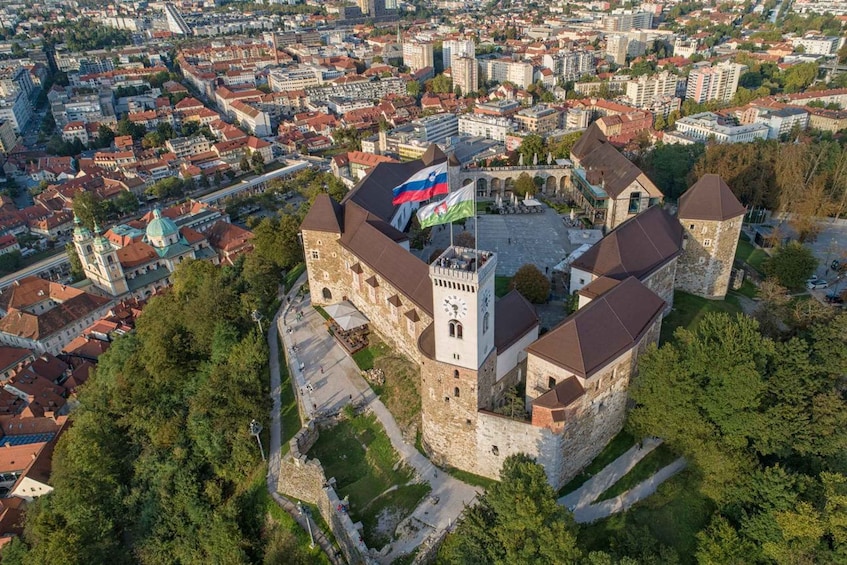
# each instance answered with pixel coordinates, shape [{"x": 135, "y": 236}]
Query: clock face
[
  {"x": 486, "y": 299},
  {"x": 455, "y": 306}
]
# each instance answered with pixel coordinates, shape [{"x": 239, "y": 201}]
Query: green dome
[{"x": 160, "y": 227}]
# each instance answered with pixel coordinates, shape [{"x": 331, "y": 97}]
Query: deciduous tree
[{"x": 532, "y": 283}]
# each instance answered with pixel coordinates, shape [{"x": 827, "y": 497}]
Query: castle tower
[
  {"x": 105, "y": 269},
  {"x": 84, "y": 243},
  {"x": 458, "y": 379},
  {"x": 711, "y": 216}
]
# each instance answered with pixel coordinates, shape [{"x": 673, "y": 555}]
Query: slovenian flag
[
  {"x": 457, "y": 205},
  {"x": 423, "y": 185}
]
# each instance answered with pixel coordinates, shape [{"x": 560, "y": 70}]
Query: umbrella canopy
[{"x": 346, "y": 315}]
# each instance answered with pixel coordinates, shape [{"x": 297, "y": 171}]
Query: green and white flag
[{"x": 457, "y": 205}]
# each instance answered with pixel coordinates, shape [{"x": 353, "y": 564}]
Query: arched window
[
  {"x": 454, "y": 329},
  {"x": 485, "y": 323},
  {"x": 88, "y": 249},
  {"x": 551, "y": 382},
  {"x": 456, "y": 374},
  {"x": 110, "y": 259},
  {"x": 456, "y": 392},
  {"x": 327, "y": 294}
]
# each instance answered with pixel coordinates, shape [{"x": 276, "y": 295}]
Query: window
[
  {"x": 581, "y": 281},
  {"x": 691, "y": 226},
  {"x": 551, "y": 382},
  {"x": 455, "y": 329},
  {"x": 495, "y": 450},
  {"x": 701, "y": 260},
  {"x": 707, "y": 243},
  {"x": 320, "y": 242},
  {"x": 705, "y": 229},
  {"x": 456, "y": 374},
  {"x": 315, "y": 254},
  {"x": 410, "y": 326},
  {"x": 634, "y": 202},
  {"x": 456, "y": 392},
  {"x": 326, "y": 276},
  {"x": 485, "y": 323}
]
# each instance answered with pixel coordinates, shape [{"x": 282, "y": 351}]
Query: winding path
[{"x": 580, "y": 501}]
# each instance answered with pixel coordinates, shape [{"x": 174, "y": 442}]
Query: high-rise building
[
  {"x": 625, "y": 21},
  {"x": 499, "y": 70},
  {"x": 644, "y": 90},
  {"x": 570, "y": 65},
  {"x": 465, "y": 74},
  {"x": 453, "y": 49},
  {"x": 417, "y": 56},
  {"x": 616, "y": 48},
  {"x": 714, "y": 83}
]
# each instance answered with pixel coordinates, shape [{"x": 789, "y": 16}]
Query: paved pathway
[
  {"x": 276, "y": 435},
  {"x": 622, "y": 502},
  {"x": 329, "y": 380},
  {"x": 609, "y": 475},
  {"x": 580, "y": 501}
]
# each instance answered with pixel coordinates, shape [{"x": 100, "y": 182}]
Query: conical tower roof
[{"x": 709, "y": 199}]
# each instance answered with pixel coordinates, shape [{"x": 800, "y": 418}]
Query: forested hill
[{"x": 158, "y": 466}]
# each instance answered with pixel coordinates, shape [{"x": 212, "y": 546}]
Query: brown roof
[
  {"x": 11, "y": 356},
  {"x": 324, "y": 215},
  {"x": 588, "y": 141},
  {"x": 560, "y": 395},
  {"x": 228, "y": 237},
  {"x": 37, "y": 327},
  {"x": 635, "y": 248},
  {"x": 598, "y": 286},
  {"x": 514, "y": 316},
  {"x": 617, "y": 171},
  {"x": 602, "y": 330},
  {"x": 32, "y": 290},
  {"x": 365, "y": 237},
  {"x": 136, "y": 253},
  {"x": 709, "y": 199}
]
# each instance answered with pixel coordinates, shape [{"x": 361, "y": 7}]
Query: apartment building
[
  {"x": 539, "y": 119},
  {"x": 644, "y": 90},
  {"x": 8, "y": 138},
  {"x": 621, "y": 20},
  {"x": 418, "y": 56},
  {"x": 719, "y": 82},
  {"x": 818, "y": 44},
  {"x": 435, "y": 129},
  {"x": 465, "y": 74},
  {"x": 184, "y": 147},
  {"x": 616, "y": 48},
  {"x": 453, "y": 49},
  {"x": 489, "y": 127},
  {"x": 17, "y": 110},
  {"x": 503, "y": 70},
  {"x": 570, "y": 65}
]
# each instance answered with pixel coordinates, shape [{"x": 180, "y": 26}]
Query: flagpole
[{"x": 475, "y": 231}]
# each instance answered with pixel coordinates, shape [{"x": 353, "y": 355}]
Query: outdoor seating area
[
  {"x": 463, "y": 261},
  {"x": 348, "y": 326},
  {"x": 517, "y": 206}
]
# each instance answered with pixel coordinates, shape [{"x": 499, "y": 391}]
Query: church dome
[{"x": 161, "y": 228}]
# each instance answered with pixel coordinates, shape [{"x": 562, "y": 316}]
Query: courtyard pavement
[
  {"x": 330, "y": 379},
  {"x": 540, "y": 239}
]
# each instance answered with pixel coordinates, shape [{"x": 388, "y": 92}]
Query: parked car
[{"x": 816, "y": 284}]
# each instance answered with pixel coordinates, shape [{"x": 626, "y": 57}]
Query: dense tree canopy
[
  {"x": 791, "y": 265},
  {"x": 517, "y": 521},
  {"x": 156, "y": 466},
  {"x": 759, "y": 421},
  {"x": 532, "y": 283}
]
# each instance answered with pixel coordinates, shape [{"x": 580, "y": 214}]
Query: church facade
[{"x": 473, "y": 349}]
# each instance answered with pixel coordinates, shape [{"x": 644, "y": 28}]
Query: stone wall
[
  {"x": 498, "y": 437},
  {"x": 304, "y": 479},
  {"x": 662, "y": 283},
  {"x": 707, "y": 257},
  {"x": 448, "y": 419},
  {"x": 391, "y": 314}
]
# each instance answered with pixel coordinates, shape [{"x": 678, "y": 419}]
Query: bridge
[
  {"x": 498, "y": 181},
  {"x": 254, "y": 185}
]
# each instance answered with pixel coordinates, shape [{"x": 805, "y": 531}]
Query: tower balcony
[{"x": 464, "y": 263}]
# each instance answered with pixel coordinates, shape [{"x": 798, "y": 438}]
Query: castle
[
  {"x": 137, "y": 260},
  {"x": 472, "y": 348}
]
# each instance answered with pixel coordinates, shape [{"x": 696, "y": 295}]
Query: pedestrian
[
  {"x": 510, "y": 241},
  {"x": 546, "y": 270},
  {"x": 322, "y": 369}
]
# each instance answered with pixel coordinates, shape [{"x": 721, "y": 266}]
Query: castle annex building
[{"x": 473, "y": 348}]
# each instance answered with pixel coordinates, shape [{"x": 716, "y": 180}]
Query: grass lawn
[
  {"x": 289, "y": 413},
  {"x": 365, "y": 358},
  {"x": 360, "y": 457},
  {"x": 673, "y": 516},
  {"x": 401, "y": 391},
  {"x": 322, "y": 312},
  {"x": 747, "y": 289},
  {"x": 292, "y": 275},
  {"x": 501, "y": 286},
  {"x": 750, "y": 254},
  {"x": 655, "y": 460},
  {"x": 688, "y": 310},
  {"x": 471, "y": 479},
  {"x": 617, "y": 447}
]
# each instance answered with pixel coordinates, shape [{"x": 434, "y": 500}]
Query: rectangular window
[
  {"x": 315, "y": 254},
  {"x": 634, "y": 202},
  {"x": 707, "y": 243}
]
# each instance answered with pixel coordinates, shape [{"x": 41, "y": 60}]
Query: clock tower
[{"x": 458, "y": 378}]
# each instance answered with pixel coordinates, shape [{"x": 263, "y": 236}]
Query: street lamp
[
  {"x": 257, "y": 317},
  {"x": 305, "y": 512},
  {"x": 255, "y": 430}
]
